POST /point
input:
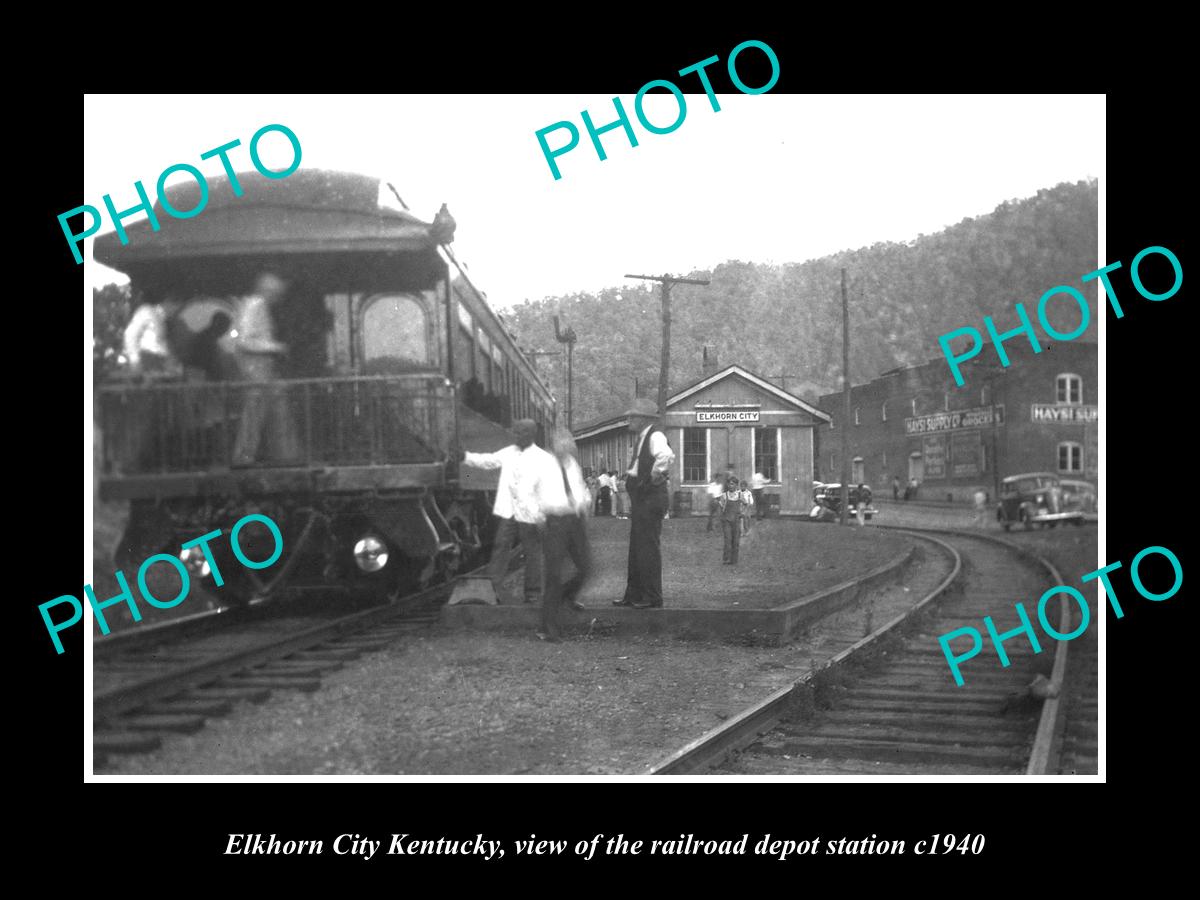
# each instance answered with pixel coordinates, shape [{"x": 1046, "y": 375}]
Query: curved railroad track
[
  {"x": 173, "y": 679},
  {"x": 890, "y": 702}
]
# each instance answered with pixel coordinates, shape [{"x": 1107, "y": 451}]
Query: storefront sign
[
  {"x": 952, "y": 421},
  {"x": 1062, "y": 414},
  {"x": 726, "y": 415}
]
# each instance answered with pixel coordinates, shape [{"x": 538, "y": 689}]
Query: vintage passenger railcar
[{"x": 393, "y": 361}]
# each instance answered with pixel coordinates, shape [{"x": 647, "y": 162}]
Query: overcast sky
[{"x": 769, "y": 178}]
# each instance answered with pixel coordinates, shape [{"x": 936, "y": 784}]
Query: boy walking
[{"x": 730, "y": 504}]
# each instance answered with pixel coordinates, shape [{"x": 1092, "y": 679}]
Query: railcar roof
[{"x": 309, "y": 210}]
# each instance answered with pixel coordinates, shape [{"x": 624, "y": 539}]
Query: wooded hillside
[{"x": 785, "y": 320}]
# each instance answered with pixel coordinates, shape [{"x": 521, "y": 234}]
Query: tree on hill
[
  {"x": 110, "y": 313},
  {"x": 786, "y": 319}
]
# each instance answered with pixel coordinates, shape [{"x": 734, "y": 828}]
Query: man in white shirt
[
  {"x": 647, "y": 485},
  {"x": 265, "y": 413},
  {"x": 607, "y": 484},
  {"x": 517, "y": 505},
  {"x": 758, "y": 484},
  {"x": 562, "y": 497},
  {"x": 145, "y": 340}
]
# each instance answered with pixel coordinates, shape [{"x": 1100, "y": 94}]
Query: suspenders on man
[{"x": 647, "y": 485}]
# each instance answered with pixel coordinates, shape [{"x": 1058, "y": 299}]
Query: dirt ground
[
  {"x": 445, "y": 702},
  {"x": 780, "y": 561}
]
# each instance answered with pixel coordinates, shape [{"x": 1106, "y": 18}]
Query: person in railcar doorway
[
  {"x": 647, "y": 484},
  {"x": 259, "y": 356}
]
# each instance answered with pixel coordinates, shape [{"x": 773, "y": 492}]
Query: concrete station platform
[{"x": 790, "y": 573}]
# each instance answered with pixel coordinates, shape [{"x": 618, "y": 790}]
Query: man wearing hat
[{"x": 647, "y": 485}]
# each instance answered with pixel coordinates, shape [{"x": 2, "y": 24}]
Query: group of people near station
[
  {"x": 543, "y": 503},
  {"x": 159, "y": 344},
  {"x": 607, "y": 491},
  {"x": 736, "y": 504}
]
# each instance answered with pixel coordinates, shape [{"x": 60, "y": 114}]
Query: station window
[
  {"x": 394, "y": 335},
  {"x": 766, "y": 453},
  {"x": 695, "y": 455},
  {"x": 1070, "y": 389},
  {"x": 1070, "y": 457}
]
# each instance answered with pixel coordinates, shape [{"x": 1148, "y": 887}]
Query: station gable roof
[{"x": 758, "y": 385}]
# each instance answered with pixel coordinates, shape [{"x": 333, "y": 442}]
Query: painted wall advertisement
[
  {"x": 967, "y": 452},
  {"x": 934, "y": 451}
]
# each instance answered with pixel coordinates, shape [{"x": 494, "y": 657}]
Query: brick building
[{"x": 1040, "y": 414}]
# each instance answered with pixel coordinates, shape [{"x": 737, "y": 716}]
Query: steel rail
[
  {"x": 744, "y": 728},
  {"x": 1047, "y": 743},
  {"x": 110, "y": 704}
]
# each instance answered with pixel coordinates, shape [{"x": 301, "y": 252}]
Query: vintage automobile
[
  {"x": 1035, "y": 497},
  {"x": 827, "y": 501},
  {"x": 1080, "y": 496}
]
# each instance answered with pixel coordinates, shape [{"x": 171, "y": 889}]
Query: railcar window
[
  {"x": 483, "y": 364},
  {"x": 395, "y": 336}
]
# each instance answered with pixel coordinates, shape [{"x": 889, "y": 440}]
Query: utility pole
[
  {"x": 846, "y": 404},
  {"x": 990, "y": 374},
  {"x": 667, "y": 282},
  {"x": 568, "y": 337}
]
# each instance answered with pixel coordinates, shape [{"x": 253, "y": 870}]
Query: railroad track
[
  {"x": 893, "y": 706},
  {"x": 163, "y": 684}
]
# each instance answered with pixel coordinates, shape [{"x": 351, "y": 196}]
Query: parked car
[
  {"x": 1035, "y": 497},
  {"x": 1080, "y": 496},
  {"x": 827, "y": 501}
]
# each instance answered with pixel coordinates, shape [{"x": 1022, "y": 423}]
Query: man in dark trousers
[
  {"x": 647, "y": 485},
  {"x": 562, "y": 498}
]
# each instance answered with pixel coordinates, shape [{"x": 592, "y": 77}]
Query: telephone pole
[
  {"x": 846, "y": 404},
  {"x": 667, "y": 282},
  {"x": 568, "y": 337}
]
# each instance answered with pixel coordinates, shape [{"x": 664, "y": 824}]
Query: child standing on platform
[
  {"x": 730, "y": 504},
  {"x": 747, "y": 509}
]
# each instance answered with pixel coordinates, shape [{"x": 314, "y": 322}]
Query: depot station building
[
  {"x": 1038, "y": 414},
  {"x": 728, "y": 416}
]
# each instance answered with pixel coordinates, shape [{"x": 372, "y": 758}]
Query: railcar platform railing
[{"x": 164, "y": 427}]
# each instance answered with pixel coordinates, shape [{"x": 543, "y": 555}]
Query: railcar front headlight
[
  {"x": 194, "y": 560},
  {"x": 370, "y": 553}
]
